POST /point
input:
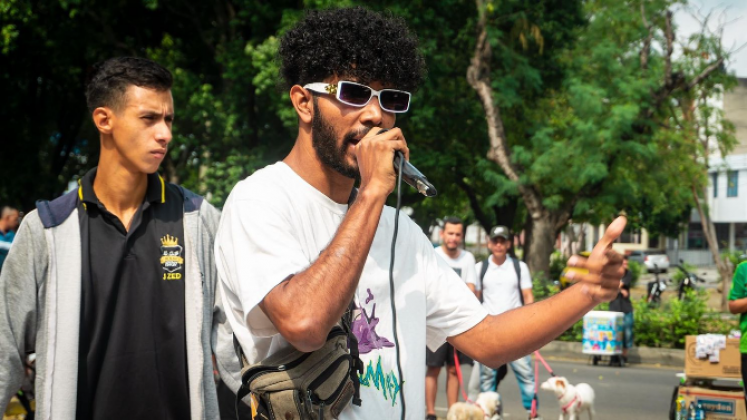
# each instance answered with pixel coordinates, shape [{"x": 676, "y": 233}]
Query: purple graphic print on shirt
[{"x": 364, "y": 328}]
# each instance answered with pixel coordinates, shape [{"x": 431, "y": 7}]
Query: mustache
[{"x": 356, "y": 134}]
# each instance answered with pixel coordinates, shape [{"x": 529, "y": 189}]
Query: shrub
[
  {"x": 635, "y": 269},
  {"x": 668, "y": 325},
  {"x": 557, "y": 264}
]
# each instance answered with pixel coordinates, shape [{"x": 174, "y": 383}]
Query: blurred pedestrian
[
  {"x": 622, "y": 304},
  {"x": 112, "y": 284},
  {"x": 738, "y": 305},
  {"x": 9, "y": 218},
  {"x": 463, "y": 263}
]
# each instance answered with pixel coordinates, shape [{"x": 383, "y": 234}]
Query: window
[
  {"x": 714, "y": 179},
  {"x": 732, "y": 183}
]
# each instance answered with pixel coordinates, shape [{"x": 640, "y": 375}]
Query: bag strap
[
  {"x": 518, "y": 277},
  {"x": 347, "y": 325},
  {"x": 243, "y": 390},
  {"x": 483, "y": 270}
]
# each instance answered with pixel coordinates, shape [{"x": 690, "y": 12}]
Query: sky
[{"x": 733, "y": 12}]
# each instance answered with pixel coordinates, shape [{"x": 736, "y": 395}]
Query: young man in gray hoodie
[{"x": 112, "y": 284}]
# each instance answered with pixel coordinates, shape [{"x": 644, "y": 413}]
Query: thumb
[{"x": 613, "y": 231}]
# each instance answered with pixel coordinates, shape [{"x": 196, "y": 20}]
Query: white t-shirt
[
  {"x": 275, "y": 224},
  {"x": 500, "y": 292},
  {"x": 463, "y": 264}
]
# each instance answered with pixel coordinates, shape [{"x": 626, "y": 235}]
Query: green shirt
[{"x": 739, "y": 291}]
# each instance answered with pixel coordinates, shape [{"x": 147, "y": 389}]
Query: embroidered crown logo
[{"x": 169, "y": 241}]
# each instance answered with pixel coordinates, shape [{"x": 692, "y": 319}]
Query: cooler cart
[{"x": 603, "y": 335}]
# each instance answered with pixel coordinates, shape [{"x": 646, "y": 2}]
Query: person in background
[
  {"x": 505, "y": 284},
  {"x": 463, "y": 263},
  {"x": 622, "y": 304},
  {"x": 9, "y": 221},
  {"x": 738, "y": 305}
]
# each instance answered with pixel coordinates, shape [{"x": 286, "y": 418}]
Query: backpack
[{"x": 484, "y": 269}]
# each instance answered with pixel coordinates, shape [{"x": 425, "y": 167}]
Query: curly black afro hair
[{"x": 354, "y": 43}]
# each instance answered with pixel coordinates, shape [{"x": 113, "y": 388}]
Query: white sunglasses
[{"x": 358, "y": 95}]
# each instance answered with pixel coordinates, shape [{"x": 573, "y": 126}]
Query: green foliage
[
  {"x": 734, "y": 257},
  {"x": 543, "y": 288},
  {"x": 557, "y": 264},
  {"x": 668, "y": 325},
  {"x": 636, "y": 269}
]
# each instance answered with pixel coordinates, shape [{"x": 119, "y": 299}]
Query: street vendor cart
[
  {"x": 711, "y": 383},
  {"x": 603, "y": 335}
]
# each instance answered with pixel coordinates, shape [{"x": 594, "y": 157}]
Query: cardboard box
[
  {"x": 718, "y": 404},
  {"x": 729, "y": 365}
]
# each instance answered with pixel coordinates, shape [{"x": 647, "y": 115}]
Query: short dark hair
[
  {"x": 452, "y": 221},
  {"x": 354, "y": 43},
  {"x": 109, "y": 81}
]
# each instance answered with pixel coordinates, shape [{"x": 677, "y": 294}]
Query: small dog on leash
[
  {"x": 487, "y": 406},
  {"x": 573, "y": 400}
]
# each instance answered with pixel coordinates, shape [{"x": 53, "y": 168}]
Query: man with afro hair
[{"x": 297, "y": 242}]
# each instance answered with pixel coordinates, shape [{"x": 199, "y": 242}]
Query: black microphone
[{"x": 411, "y": 174}]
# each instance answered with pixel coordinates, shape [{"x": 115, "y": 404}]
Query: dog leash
[
  {"x": 461, "y": 380},
  {"x": 537, "y": 359}
]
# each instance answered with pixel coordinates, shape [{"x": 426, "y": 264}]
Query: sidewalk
[{"x": 567, "y": 350}]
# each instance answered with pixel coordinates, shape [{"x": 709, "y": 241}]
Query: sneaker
[{"x": 431, "y": 417}]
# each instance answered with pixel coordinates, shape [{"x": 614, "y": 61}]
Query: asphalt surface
[{"x": 640, "y": 392}]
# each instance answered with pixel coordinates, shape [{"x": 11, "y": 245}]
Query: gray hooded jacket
[{"x": 40, "y": 304}]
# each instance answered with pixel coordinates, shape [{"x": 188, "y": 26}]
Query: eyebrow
[{"x": 154, "y": 112}]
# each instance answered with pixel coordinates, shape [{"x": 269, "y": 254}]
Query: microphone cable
[{"x": 391, "y": 281}]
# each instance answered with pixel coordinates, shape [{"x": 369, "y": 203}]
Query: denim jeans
[
  {"x": 628, "y": 329},
  {"x": 524, "y": 376}
]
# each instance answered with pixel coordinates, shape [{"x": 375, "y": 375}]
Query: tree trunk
[
  {"x": 709, "y": 231},
  {"x": 541, "y": 244}
]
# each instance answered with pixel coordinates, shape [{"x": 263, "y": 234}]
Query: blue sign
[{"x": 718, "y": 406}]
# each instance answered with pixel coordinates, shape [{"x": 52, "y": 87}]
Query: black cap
[{"x": 500, "y": 232}]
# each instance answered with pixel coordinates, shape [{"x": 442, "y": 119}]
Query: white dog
[
  {"x": 487, "y": 406},
  {"x": 573, "y": 400}
]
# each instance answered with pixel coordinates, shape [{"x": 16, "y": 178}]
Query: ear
[
  {"x": 103, "y": 119},
  {"x": 303, "y": 103},
  {"x": 561, "y": 383}
]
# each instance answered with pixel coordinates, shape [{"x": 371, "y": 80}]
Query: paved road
[{"x": 641, "y": 393}]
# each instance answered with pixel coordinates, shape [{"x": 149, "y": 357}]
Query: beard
[{"x": 324, "y": 141}]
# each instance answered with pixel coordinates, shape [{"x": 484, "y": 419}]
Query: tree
[
  {"x": 703, "y": 127},
  {"x": 599, "y": 137}
]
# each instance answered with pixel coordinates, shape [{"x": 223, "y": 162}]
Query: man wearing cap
[{"x": 505, "y": 284}]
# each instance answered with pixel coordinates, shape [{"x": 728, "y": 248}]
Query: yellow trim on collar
[
  {"x": 163, "y": 190},
  {"x": 80, "y": 195}
]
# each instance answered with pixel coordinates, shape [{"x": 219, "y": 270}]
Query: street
[{"x": 641, "y": 393}]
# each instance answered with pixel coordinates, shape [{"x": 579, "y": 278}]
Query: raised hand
[{"x": 602, "y": 281}]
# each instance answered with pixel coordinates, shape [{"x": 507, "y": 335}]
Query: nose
[
  {"x": 163, "y": 133},
  {"x": 372, "y": 115}
]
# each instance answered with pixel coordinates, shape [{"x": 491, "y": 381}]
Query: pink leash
[
  {"x": 459, "y": 376},
  {"x": 537, "y": 359}
]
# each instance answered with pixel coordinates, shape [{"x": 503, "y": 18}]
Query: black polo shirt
[{"x": 132, "y": 357}]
